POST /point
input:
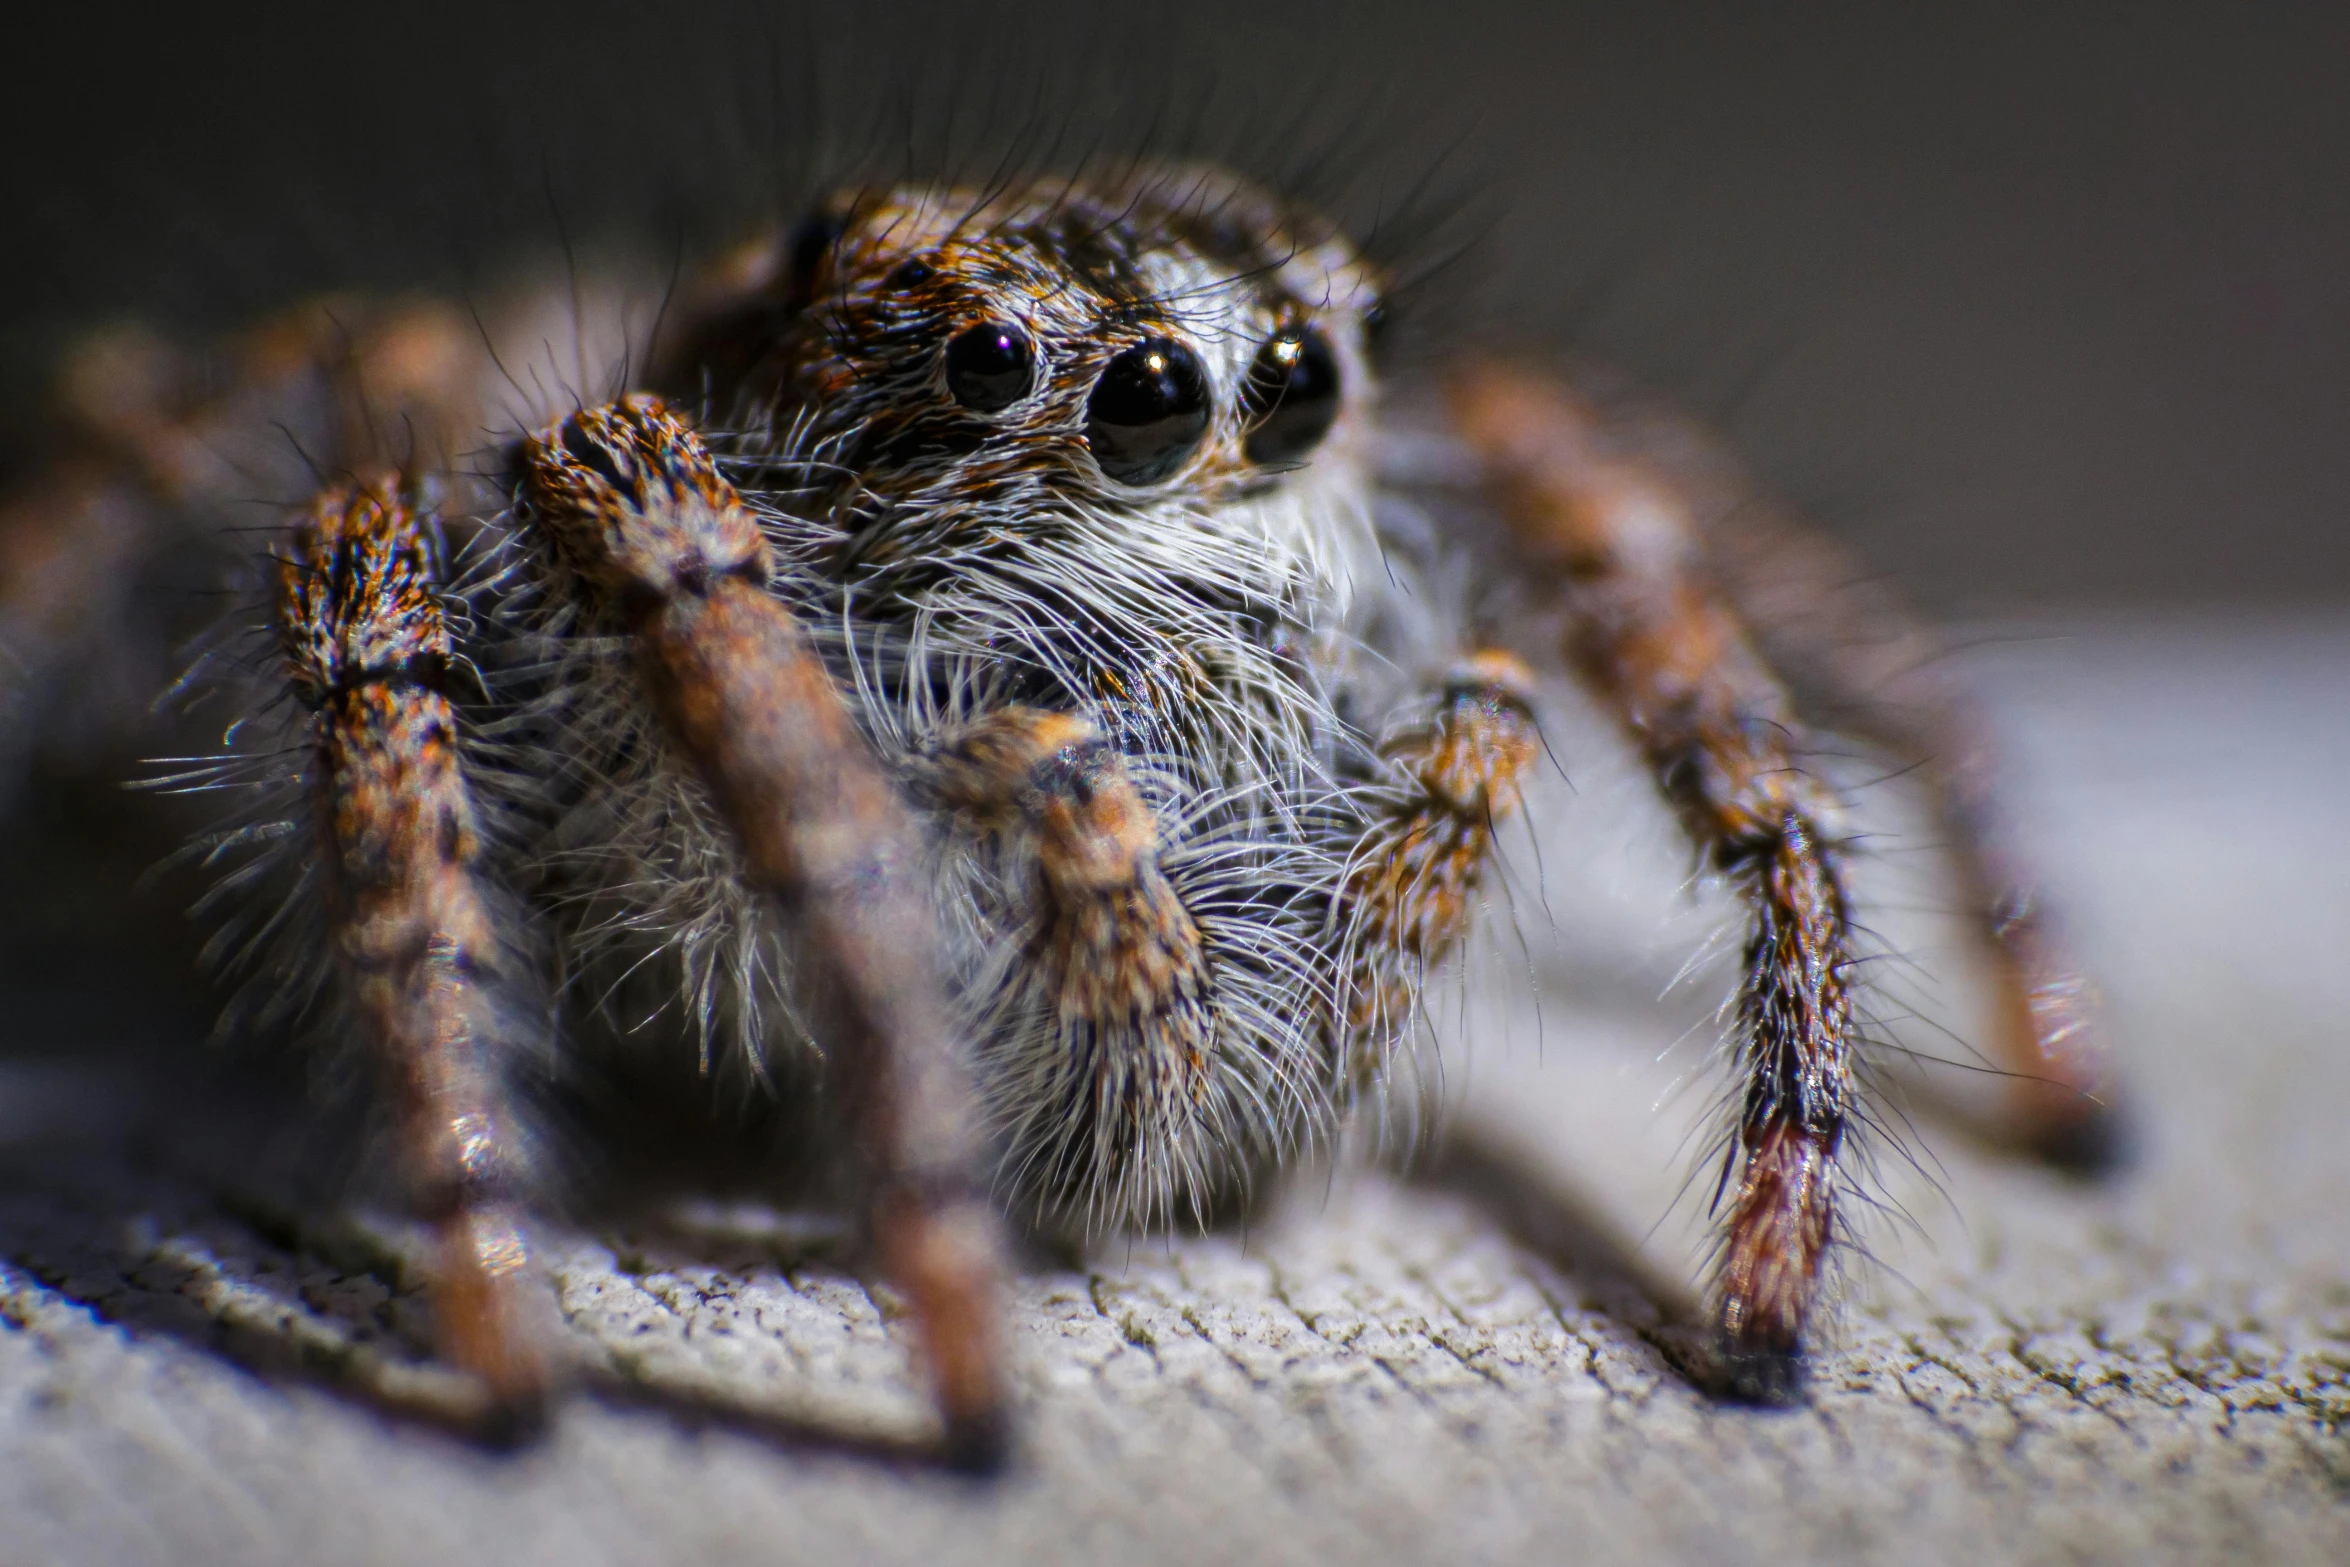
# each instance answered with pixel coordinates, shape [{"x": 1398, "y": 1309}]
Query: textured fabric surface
[{"x": 1472, "y": 1361}]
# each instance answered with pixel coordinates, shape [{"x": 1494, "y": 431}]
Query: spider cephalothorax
[{"x": 1001, "y": 689}]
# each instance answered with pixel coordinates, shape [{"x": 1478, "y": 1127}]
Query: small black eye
[
  {"x": 1291, "y": 398},
  {"x": 990, "y": 366},
  {"x": 1147, "y": 411},
  {"x": 911, "y": 273}
]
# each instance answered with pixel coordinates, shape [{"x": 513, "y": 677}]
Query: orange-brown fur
[
  {"x": 1668, "y": 654},
  {"x": 1117, "y": 950},
  {"x": 1411, "y": 891},
  {"x": 366, "y": 649}
]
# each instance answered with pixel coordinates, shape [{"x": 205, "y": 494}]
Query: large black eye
[
  {"x": 1147, "y": 411},
  {"x": 1291, "y": 397},
  {"x": 990, "y": 366}
]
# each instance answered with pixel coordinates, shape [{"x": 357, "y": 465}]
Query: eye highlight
[
  {"x": 990, "y": 366},
  {"x": 1148, "y": 411},
  {"x": 1291, "y": 398}
]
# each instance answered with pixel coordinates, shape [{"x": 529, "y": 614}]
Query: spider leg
[
  {"x": 1857, "y": 654},
  {"x": 367, "y": 649},
  {"x": 153, "y": 439},
  {"x": 1120, "y": 960},
  {"x": 629, "y": 502},
  {"x": 1412, "y": 880},
  {"x": 1670, "y": 656}
]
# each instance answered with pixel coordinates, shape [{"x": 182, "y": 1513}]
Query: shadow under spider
[
  {"x": 199, "y": 1196},
  {"x": 1578, "y": 1239},
  {"x": 193, "y": 1206},
  {"x": 202, "y": 1203}
]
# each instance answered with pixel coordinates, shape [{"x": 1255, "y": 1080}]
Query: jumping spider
[{"x": 999, "y": 664}]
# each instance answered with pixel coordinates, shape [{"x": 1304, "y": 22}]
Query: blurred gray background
[{"x": 2037, "y": 308}]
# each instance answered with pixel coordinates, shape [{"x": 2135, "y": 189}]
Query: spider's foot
[
  {"x": 507, "y": 1422},
  {"x": 1768, "y": 1376},
  {"x": 2098, "y": 1141},
  {"x": 482, "y": 1312},
  {"x": 978, "y": 1443}
]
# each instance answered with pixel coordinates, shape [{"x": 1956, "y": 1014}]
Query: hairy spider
[{"x": 1000, "y": 666}]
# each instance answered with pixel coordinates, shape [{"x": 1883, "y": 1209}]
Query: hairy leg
[
  {"x": 1870, "y": 667},
  {"x": 1412, "y": 881},
  {"x": 152, "y": 439},
  {"x": 367, "y": 649},
  {"x": 1673, "y": 660},
  {"x": 1123, "y": 967},
  {"x": 627, "y": 501}
]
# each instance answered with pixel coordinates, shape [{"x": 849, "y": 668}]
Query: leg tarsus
[
  {"x": 2091, "y": 1145},
  {"x": 2059, "y": 1105},
  {"x": 944, "y": 1257},
  {"x": 477, "y": 1322},
  {"x": 1770, "y": 1376}
]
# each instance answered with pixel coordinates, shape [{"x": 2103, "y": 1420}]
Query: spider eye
[
  {"x": 1291, "y": 398},
  {"x": 1147, "y": 411},
  {"x": 990, "y": 366}
]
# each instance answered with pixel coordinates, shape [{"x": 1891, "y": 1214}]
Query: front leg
[
  {"x": 1722, "y": 737},
  {"x": 1143, "y": 1092},
  {"x": 1113, "y": 1107},
  {"x": 367, "y": 648},
  {"x": 1411, "y": 883},
  {"x": 628, "y": 501}
]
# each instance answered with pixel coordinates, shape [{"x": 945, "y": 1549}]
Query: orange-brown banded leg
[
  {"x": 1111, "y": 1105},
  {"x": 367, "y": 648},
  {"x": 629, "y": 502},
  {"x": 1874, "y": 670},
  {"x": 1721, "y": 736},
  {"x": 1411, "y": 886}
]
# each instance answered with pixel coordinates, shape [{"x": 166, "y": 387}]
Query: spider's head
[
  {"x": 1173, "y": 347},
  {"x": 1174, "y": 328}
]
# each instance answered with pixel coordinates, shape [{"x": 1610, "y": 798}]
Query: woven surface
[{"x": 1475, "y": 1361}]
